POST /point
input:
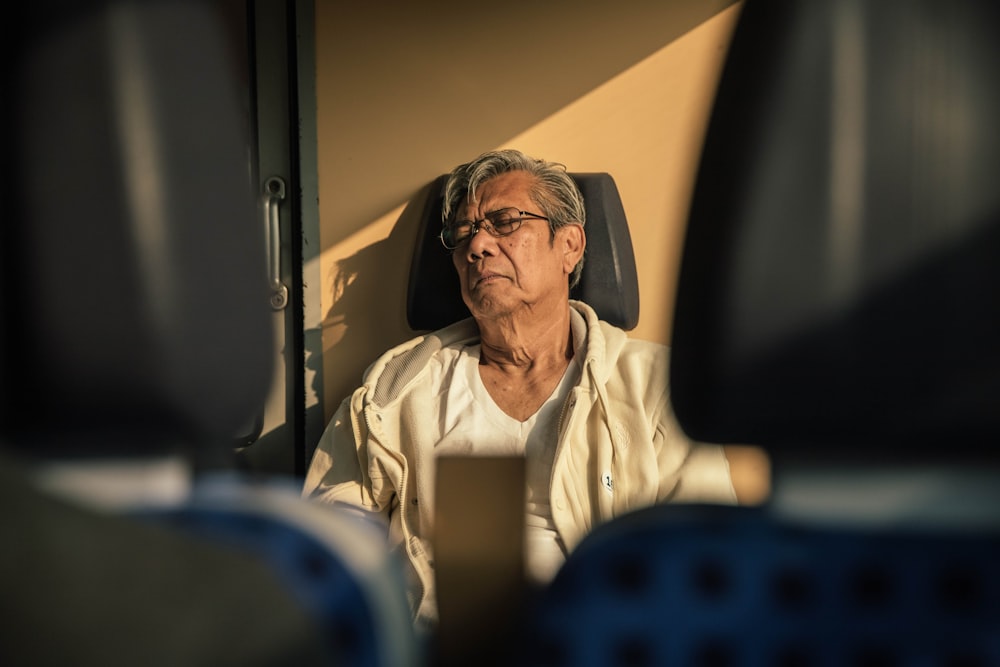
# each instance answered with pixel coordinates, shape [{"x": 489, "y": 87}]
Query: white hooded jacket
[{"x": 620, "y": 447}]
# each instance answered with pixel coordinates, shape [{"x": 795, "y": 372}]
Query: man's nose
[{"x": 480, "y": 240}]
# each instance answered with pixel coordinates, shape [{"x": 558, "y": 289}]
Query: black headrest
[
  {"x": 608, "y": 282},
  {"x": 133, "y": 259},
  {"x": 841, "y": 268}
]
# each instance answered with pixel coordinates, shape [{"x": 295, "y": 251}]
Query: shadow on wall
[{"x": 369, "y": 307}]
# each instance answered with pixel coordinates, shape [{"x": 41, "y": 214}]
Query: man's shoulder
[
  {"x": 400, "y": 365},
  {"x": 621, "y": 342},
  {"x": 637, "y": 350}
]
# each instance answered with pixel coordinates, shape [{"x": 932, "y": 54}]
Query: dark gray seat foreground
[{"x": 135, "y": 340}]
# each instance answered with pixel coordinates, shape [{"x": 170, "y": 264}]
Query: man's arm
[
  {"x": 338, "y": 475},
  {"x": 690, "y": 472}
]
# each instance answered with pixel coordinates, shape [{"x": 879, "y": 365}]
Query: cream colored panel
[
  {"x": 641, "y": 119},
  {"x": 645, "y": 128}
]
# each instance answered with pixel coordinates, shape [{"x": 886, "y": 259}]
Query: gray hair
[{"x": 555, "y": 191}]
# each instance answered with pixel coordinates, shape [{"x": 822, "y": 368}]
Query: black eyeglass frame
[{"x": 487, "y": 224}]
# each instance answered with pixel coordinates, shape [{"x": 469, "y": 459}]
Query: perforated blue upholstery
[{"x": 731, "y": 586}]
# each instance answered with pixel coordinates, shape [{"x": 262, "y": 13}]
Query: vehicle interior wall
[{"x": 405, "y": 92}]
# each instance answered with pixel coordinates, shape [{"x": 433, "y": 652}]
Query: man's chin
[{"x": 486, "y": 307}]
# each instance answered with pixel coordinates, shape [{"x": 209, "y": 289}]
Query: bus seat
[
  {"x": 135, "y": 340},
  {"x": 718, "y": 585},
  {"x": 837, "y": 307},
  {"x": 608, "y": 282}
]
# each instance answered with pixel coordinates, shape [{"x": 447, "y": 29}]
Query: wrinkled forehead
[{"x": 510, "y": 189}]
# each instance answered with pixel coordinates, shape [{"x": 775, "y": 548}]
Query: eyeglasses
[{"x": 504, "y": 222}]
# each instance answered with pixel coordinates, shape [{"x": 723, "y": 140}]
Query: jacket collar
[{"x": 391, "y": 372}]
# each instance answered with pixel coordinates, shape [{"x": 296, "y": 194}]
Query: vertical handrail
[{"x": 274, "y": 194}]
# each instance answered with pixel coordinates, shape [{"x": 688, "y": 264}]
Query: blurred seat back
[
  {"x": 135, "y": 340},
  {"x": 133, "y": 255},
  {"x": 836, "y": 295}
]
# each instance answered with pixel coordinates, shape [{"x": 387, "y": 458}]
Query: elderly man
[{"x": 531, "y": 373}]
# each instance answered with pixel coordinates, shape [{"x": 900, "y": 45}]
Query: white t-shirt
[{"x": 473, "y": 425}]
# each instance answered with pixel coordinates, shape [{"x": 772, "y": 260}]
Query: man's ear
[{"x": 572, "y": 241}]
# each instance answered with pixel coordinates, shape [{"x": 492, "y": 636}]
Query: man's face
[{"x": 525, "y": 271}]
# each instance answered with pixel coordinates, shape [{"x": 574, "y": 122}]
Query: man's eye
[
  {"x": 504, "y": 224},
  {"x": 460, "y": 231},
  {"x": 502, "y": 220}
]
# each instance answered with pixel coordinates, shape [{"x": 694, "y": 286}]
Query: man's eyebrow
[
  {"x": 502, "y": 208},
  {"x": 487, "y": 214}
]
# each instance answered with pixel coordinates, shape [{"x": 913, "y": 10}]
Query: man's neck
[
  {"x": 520, "y": 365},
  {"x": 517, "y": 344}
]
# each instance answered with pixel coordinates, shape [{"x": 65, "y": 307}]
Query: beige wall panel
[
  {"x": 645, "y": 128},
  {"x": 619, "y": 87}
]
